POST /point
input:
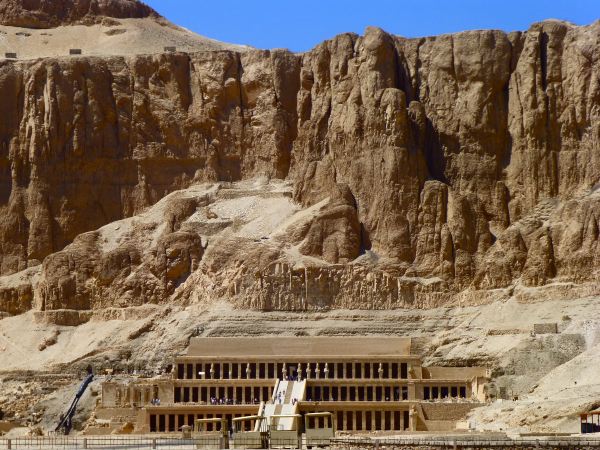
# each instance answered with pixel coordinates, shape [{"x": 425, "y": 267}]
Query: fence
[
  {"x": 137, "y": 443},
  {"x": 215, "y": 443},
  {"x": 467, "y": 442},
  {"x": 105, "y": 443}
]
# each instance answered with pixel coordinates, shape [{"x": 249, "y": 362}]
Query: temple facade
[{"x": 367, "y": 383}]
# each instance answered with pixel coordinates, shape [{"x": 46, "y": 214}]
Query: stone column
[
  {"x": 380, "y": 371},
  {"x": 344, "y": 420},
  {"x": 412, "y": 422},
  {"x": 326, "y": 370},
  {"x": 317, "y": 372},
  {"x": 362, "y": 369},
  {"x": 373, "y": 420},
  {"x": 412, "y": 391},
  {"x": 353, "y": 420}
]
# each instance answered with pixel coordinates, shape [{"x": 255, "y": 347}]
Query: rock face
[
  {"x": 429, "y": 168},
  {"x": 54, "y": 13}
]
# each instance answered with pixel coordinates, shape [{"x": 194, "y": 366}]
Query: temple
[{"x": 366, "y": 383}]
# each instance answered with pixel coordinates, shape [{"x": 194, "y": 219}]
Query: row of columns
[
  {"x": 372, "y": 420},
  {"x": 240, "y": 394},
  {"x": 358, "y": 393},
  {"x": 173, "y": 422},
  {"x": 355, "y": 420},
  {"x": 263, "y": 370},
  {"x": 448, "y": 391},
  {"x": 133, "y": 395}
]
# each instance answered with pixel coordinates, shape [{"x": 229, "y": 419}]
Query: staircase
[
  {"x": 261, "y": 412},
  {"x": 293, "y": 390}
]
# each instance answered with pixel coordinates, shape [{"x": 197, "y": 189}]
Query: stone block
[{"x": 545, "y": 328}]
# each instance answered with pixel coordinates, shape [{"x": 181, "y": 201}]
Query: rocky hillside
[
  {"x": 456, "y": 168},
  {"x": 54, "y": 13}
]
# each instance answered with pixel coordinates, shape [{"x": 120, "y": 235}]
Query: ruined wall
[
  {"x": 471, "y": 159},
  {"x": 441, "y": 411}
]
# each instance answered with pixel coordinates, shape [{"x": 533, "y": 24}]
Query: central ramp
[{"x": 284, "y": 403}]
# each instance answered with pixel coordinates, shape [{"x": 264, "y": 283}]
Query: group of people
[
  {"x": 155, "y": 401},
  {"x": 281, "y": 397},
  {"x": 293, "y": 377},
  {"x": 229, "y": 401}
]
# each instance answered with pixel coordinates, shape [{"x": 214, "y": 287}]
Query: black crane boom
[{"x": 66, "y": 421}]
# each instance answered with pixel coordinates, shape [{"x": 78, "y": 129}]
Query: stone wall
[
  {"x": 545, "y": 328},
  {"x": 447, "y": 411}
]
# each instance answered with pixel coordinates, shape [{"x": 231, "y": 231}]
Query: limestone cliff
[
  {"x": 427, "y": 168},
  {"x": 54, "y": 13}
]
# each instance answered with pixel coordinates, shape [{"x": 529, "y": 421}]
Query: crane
[{"x": 65, "y": 424}]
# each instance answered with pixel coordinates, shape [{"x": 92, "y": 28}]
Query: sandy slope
[
  {"x": 112, "y": 37},
  {"x": 554, "y": 402}
]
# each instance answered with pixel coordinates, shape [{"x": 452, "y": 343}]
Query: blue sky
[{"x": 300, "y": 25}]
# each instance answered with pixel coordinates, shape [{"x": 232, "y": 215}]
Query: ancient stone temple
[{"x": 367, "y": 383}]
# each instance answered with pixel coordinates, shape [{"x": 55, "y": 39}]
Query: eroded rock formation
[
  {"x": 444, "y": 164},
  {"x": 54, "y": 13}
]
